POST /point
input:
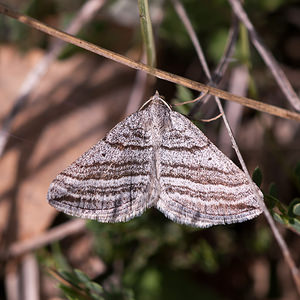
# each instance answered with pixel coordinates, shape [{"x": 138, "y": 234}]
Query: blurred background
[{"x": 78, "y": 96}]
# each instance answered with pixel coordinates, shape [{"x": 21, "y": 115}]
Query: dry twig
[
  {"x": 212, "y": 119},
  {"x": 86, "y": 13},
  {"x": 238, "y": 84},
  {"x": 137, "y": 93},
  {"x": 30, "y": 277},
  {"x": 55, "y": 234},
  {"x": 224, "y": 61},
  {"x": 274, "y": 110},
  {"x": 285, "y": 251},
  {"x": 267, "y": 56}
]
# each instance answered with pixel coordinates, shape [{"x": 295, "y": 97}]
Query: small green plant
[
  {"x": 287, "y": 215},
  {"x": 76, "y": 285}
]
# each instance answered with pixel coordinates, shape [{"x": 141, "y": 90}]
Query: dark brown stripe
[
  {"x": 240, "y": 208},
  {"x": 99, "y": 204},
  {"x": 205, "y": 195},
  {"x": 203, "y": 180},
  {"x": 112, "y": 164},
  {"x": 94, "y": 190},
  {"x": 198, "y": 167},
  {"x": 183, "y": 148},
  {"x": 105, "y": 176},
  {"x": 140, "y": 134},
  {"x": 121, "y": 146}
]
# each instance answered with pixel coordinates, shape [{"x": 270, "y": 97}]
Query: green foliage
[
  {"x": 257, "y": 176},
  {"x": 217, "y": 43},
  {"x": 156, "y": 253},
  {"x": 288, "y": 216},
  {"x": 59, "y": 260},
  {"x": 81, "y": 287},
  {"x": 208, "y": 28},
  {"x": 78, "y": 286},
  {"x": 183, "y": 94}
]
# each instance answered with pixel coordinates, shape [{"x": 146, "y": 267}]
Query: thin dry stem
[
  {"x": 224, "y": 61},
  {"x": 285, "y": 251},
  {"x": 238, "y": 84},
  {"x": 212, "y": 119},
  {"x": 274, "y": 110},
  {"x": 137, "y": 92},
  {"x": 266, "y": 55},
  {"x": 226, "y": 58},
  {"x": 147, "y": 32},
  {"x": 86, "y": 13},
  {"x": 189, "y": 28},
  {"x": 30, "y": 277},
  {"x": 62, "y": 280},
  {"x": 191, "y": 101},
  {"x": 55, "y": 234}
]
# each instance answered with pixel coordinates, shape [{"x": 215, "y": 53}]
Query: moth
[{"x": 157, "y": 158}]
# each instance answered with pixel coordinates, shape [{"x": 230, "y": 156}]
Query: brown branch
[
  {"x": 274, "y": 110},
  {"x": 33, "y": 78},
  {"x": 266, "y": 55},
  {"x": 281, "y": 242},
  {"x": 229, "y": 50},
  {"x": 189, "y": 28},
  {"x": 30, "y": 277},
  {"x": 137, "y": 92},
  {"x": 238, "y": 83},
  {"x": 224, "y": 61},
  {"x": 55, "y": 234}
]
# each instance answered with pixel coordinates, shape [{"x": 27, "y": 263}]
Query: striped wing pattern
[
  {"x": 112, "y": 181},
  {"x": 200, "y": 186},
  {"x": 155, "y": 157}
]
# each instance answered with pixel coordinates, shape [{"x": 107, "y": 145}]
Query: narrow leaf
[{"x": 257, "y": 176}]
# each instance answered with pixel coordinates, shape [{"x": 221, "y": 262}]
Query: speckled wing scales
[
  {"x": 200, "y": 186},
  {"x": 155, "y": 157},
  {"x": 112, "y": 181}
]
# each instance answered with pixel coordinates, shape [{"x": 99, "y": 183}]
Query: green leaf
[
  {"x": 279, "y": 218},
  {"x": 294, "y": 208},
  {"x": 94, "y": 287},
  {"x": 183, "y": 94},
  {"x": 70, "y": 293},
  {"x": 257, "y": 176},
  {"x": 81, "y": 286},
  {"x": 69, "y": 276},
  {"x": 295, "y": 224},
  {"x": 273, "y": 190},
  {"x": 81, "y": 276},
  {"x": 60, "y": 260}
]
